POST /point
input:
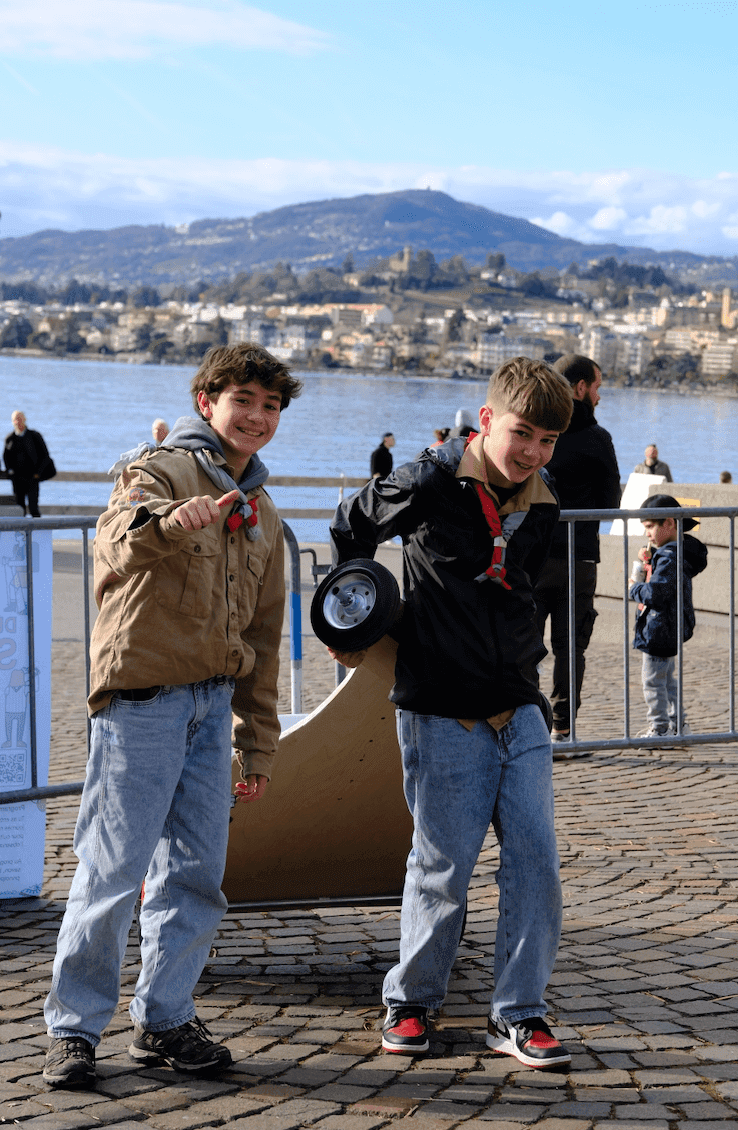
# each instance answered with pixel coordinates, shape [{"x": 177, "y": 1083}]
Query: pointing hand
[{"x": 203, "y": 510}]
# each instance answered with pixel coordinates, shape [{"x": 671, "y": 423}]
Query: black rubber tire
[{"x": 355, "y": 605}]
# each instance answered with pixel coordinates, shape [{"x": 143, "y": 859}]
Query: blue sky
[{"x": 607, "y": 123}]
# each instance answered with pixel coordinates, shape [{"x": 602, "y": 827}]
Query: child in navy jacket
[{"x": 656, "y": 622}]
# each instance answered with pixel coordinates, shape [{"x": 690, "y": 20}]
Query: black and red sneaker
[
  {"x": 405, "y": 1029},
  {"x": 530, "y": 1040}
]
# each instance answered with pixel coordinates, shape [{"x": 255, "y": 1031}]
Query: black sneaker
[
  {"x": 529, "y": 1040},
  {"x": 70, "y": 1062},
  {"x": 186, "y": 1047},
  {"x": 405, "y": 1029}
]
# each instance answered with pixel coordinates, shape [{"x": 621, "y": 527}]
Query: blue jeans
[
  {"x": 456, "y": 783},
  {"x": 155, "y": 805},
  {"x": 660, "y": 691}
]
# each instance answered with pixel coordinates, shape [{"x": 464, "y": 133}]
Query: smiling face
[
  {"x": 513, "y": 448},
  {"x": 244, "y": 417}
]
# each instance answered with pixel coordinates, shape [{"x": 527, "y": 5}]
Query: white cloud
[
  {"x": 138, "y": 29},
  {"x": 731, "y": 228},
  {"x": 559, "y": 222},
  {"x": 660, "y": 219},
  {"x": 42, "y": 188},
  {"x": 702, "y": 209},
  {"x": 607, "y": 219}
]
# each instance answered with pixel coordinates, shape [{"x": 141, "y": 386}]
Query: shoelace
[
  {"x": 75, "y": 1047},
  {"x": 192, "y": 1032}
]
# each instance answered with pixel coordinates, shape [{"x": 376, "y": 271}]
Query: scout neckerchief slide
[{"x": 496, "y": 571}]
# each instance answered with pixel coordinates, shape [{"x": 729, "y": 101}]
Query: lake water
[{"x": 89, "y": 412}]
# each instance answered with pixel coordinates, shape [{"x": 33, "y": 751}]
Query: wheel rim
[{"x": 349, "y": 601}]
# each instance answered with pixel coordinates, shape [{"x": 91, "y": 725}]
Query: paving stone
[
  {"x": 208, "y": 1113},
  {"x": 708, "y": 1111},
  {"x": 642, "y": 1113},
  {"x": 509, "y": 1113},
  {"x": 351, "y": 1122}
]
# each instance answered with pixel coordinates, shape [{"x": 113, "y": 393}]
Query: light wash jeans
[
  {"x": 155, "y": 804},
  {"x": 456, "y": 783},
  {"x": 660, "y": 692}
]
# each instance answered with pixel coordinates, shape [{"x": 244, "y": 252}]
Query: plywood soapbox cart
[{"x": 333, "y": 825}]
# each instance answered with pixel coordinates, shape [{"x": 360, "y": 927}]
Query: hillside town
[{"x": 390, "y": 318}]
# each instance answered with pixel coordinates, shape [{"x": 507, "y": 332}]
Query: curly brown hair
[{"x": 240, "y": 364}]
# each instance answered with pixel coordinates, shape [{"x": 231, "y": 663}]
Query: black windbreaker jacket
[
  {"x": 584, "y": 468},
  {"x": 466, "y": 649}
]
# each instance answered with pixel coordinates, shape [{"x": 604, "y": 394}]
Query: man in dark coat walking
[
  {"x": 380, "y": 464},
  {"x": 585, "y": 472},
  {"x": 28, "y": 462}
]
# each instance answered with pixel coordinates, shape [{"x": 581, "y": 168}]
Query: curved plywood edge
[{"x": 333, "y": 822}]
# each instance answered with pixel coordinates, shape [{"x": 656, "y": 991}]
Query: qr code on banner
[{"x": 12, "y": 768}]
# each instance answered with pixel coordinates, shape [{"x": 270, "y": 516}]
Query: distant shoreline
[{"x": 686, "y": 389}]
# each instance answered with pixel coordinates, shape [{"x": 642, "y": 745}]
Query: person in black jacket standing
[
  {"x": 28, "y": 462},
  {"x": 585, "y": 471},
  {"x": 380, "y": 464},
  {"x": 476, "y": 518}
]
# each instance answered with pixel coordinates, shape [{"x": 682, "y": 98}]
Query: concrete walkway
[{"x": 645, "y": 990}]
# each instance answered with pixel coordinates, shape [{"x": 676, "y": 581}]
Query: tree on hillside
[
  {"x": 324, "y": 285},
  {"x": 455, "y": 271},
  {"x": 24, "y": 292},
  {"x": 145, "y": 296},
  {"x": 536, "y": 287},
  {"x": 496, "y": 262},
  {"x": 74, "y": 292},
  {"x": 452, "y": 330},
  {"x": 15, "y": 333}
]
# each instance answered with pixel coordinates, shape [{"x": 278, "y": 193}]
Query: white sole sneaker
[{"x": 504, "y": 1045}]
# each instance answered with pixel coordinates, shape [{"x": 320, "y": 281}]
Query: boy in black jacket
[
  {"x": 476, "y": 517},
  {"x": 656, "y": 624}
]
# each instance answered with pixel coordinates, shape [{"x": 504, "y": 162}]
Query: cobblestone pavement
[{"x": 645, "y": 990}]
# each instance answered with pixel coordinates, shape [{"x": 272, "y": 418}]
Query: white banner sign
[{"x": 23, "y": 825}]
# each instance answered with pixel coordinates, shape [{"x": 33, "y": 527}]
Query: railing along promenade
[
  {"x": 340, "y": 482},
  {"x": 83, "y": 519}
]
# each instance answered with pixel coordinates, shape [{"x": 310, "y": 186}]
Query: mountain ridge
[{"x": 311, "y": 234}]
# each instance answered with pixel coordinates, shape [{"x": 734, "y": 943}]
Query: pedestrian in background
[
  {"x": 380, "y": 464},
  {"x": 160, "y": 431},
  {"x": 654, "y": 586},
  {"x": 652, "y": 465},
  {"x": 585, "y": 471},
  {"x": 441, "y": 435},
  {"x": 28, "y": 463}
]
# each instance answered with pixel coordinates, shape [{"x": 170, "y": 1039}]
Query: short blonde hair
[{"x": 533, "y": 391}]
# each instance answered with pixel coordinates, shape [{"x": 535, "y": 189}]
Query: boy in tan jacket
[{"x": 189, "y": 580}]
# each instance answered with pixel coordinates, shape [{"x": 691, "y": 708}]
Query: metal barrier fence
[
  {"x": 627, "y": 741},
  {"x": 84, "y": 523}
]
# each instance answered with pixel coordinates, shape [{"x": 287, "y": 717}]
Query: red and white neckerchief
[
  {"x": 251, "y": 518},
  {"x": 496, "y": 571}
]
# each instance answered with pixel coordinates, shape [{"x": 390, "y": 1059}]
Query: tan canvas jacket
[{"x": 178, "y": 606}]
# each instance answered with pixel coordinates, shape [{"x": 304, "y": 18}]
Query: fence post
[{"x": 295, "y": 620}]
